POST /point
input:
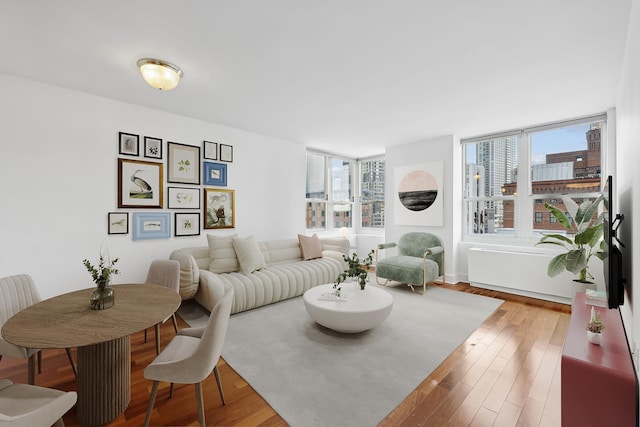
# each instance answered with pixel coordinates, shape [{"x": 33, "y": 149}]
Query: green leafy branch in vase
[
  {"x": 356, "y": 268},
  {"x": 101, "y": 275}
]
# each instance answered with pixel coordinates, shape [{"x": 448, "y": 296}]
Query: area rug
[{"x": 316, "y": 377}]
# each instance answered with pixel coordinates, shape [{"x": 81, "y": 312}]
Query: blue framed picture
[
  {"x": 215, "y": 174},
  {"x": 147, "y": 225}
]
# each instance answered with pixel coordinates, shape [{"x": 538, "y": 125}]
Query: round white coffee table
[{"x": 358, "y": 311}]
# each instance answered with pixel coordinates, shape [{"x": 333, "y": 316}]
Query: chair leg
[
  {"x": 171, "y": 390},
  {"x": 200, "y": 403},
  {"x": 152, "y": 399},
  {"x": 217, "y": 374},
  {"x": 40, "y": 362},
  {"x": 31, "y": 369},
  {"x": 72, "y": 362},
  {"x": 175, "y": 322},
  {"x": 157, "y": 328}
]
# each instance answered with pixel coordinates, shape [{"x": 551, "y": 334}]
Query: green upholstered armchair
[{"x": 420, "y": 260}]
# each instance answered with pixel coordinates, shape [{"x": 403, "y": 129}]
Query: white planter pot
[
  {"x": 594, "y": 337},
  {"x": 577, "y": 286}
]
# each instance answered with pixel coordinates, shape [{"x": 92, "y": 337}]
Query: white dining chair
[
  {"x": 17, "y": 293},
  {"x": 191, "y": 356},
  {"x": 164, "y": 272},
  {"x": 24, "y": 405}
]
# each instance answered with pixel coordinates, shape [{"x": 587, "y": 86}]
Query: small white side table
[{"x": 360, "y": 311}]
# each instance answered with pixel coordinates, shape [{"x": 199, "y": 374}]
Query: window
[
  {"x": 372, "y": 193},
  {"x": 332, "y": 184},
  {"x": 341, "y": 192},
  {"x": 561, "y": 158},
  {"x": 316, "y": 195}
]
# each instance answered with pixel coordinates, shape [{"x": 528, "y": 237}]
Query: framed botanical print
[
  {"x": 210, "y": 150},
  {"x": 129, "y": 144},
  {"x": 183, "y": 162},
  {"x": 118, "y": 223},
  {"x": 140, "y": 184},
  {"x": 152, "y": 147},
  {"x": 152, "y": 225},
  {"x": 226, "y": 153},
  {"x": 214, "y": 174},
  {"x": 183, "y": 198},
  {"x": 219, "y": 208},
  {"x": 187, "y": 224}
]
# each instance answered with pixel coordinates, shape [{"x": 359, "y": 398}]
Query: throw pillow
[
  {"x": 249, "y": 254},
  {"x": 222, "y": 255},
  {"x": 310, "y": 247}
]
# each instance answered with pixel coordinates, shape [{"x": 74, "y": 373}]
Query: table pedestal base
[{"x": 104, "y": 381}]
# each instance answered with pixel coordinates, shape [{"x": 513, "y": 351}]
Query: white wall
[
  {"x": 58, "y": 177},
  {"x": 433, "y": 150},
  {"x": 627, "y": 177}
]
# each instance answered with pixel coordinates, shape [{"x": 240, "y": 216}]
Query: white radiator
[{"x": 522, "y": 273}]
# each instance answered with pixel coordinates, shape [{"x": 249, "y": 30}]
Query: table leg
[{"x": 104, "y": 381}]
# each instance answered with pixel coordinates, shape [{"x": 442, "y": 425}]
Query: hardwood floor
[{"x": 507, "y": 373}]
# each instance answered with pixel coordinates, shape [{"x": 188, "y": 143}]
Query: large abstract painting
[{"x": 418, "y": 195}]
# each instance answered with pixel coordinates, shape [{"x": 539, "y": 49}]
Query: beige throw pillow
[
  {"x": 310, "y": 247},
  {"x": 222, "y": 255},
  {"x": 249, "y": 254}
]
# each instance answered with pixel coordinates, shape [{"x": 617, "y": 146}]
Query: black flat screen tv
[{"x": 612, "y": 262}]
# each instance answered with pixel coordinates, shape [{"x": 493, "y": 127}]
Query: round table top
[
  {"x": 354, "y": 299},
  {"x": 68, "y": 320}
]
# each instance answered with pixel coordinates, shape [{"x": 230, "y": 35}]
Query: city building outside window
[
  {"x": 333, "y": 182},
  {"x": 372, "y": 193},
  {"x": 562, "y": 158}
]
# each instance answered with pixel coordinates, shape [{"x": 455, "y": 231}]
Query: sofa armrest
[
  {"x": 189, "y": 273},
  {"x": 386, "y": 245},
  {"x": 211, "y": 289},
  {"x": 434, "y": 250}
]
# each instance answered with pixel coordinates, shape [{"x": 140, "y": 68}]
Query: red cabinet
[{"x": 598, "y": 383}]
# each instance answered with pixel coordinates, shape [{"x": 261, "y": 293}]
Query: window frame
[
  {"x": 355, "y": 203},
  {"x": 524, "y": 216}
]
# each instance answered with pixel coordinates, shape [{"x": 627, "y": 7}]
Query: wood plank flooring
[{"x": 507, "y": 373}]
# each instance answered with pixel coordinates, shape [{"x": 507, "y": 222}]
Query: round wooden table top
[{"x": 68, "y": 320}]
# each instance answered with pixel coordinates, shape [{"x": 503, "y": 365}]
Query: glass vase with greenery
[{"x": 357, "y": 269}]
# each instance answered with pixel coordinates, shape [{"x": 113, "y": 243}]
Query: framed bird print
[
  {"x": 118, "y": 223},
  {"x": 219, "y": 208},
  {"x": 140, "y": 184}
]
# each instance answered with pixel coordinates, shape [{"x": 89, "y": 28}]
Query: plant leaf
[
  {"x": 576, "y": 260},
  {"x": 557, "y": 265},
  {"x": 560, "y": 239},
  {"x": 572, "y": 207},
  {"x": 560, "y": 216}
]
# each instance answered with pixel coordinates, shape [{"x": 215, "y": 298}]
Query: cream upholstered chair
[
  {"x": 420, "y": 260},
  {"x": 191, "y": 356},
  {"x": 164, "y": 272},
  {"x": 17, "y": 293},
  {"x": 30, "y": 405}
]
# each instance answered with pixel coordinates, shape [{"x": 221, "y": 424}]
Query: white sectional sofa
[{"x": 205, "y": 272}]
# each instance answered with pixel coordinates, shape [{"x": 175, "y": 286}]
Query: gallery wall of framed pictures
[{"x": 158, "y": 174}]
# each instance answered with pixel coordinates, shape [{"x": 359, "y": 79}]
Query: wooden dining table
[{"x": 102, "y": 338}]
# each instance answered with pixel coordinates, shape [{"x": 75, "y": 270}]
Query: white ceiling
[{"x": 346, "y": 76}]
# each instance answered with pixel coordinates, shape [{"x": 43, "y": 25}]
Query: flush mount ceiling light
[{"x": 159, "y": 74}]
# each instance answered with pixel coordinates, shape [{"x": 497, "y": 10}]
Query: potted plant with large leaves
[{"x": 583, "y": 244}]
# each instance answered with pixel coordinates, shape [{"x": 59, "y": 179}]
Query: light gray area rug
[{"x": 315, "y": 377}]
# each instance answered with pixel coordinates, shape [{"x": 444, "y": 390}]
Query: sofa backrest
[{"x": 193, "y": 259}]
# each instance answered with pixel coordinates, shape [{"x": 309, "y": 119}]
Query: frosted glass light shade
[{"x": 159, "y": 74}]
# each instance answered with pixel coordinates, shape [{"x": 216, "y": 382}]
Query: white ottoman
[{"x": 359, "y": 311}]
